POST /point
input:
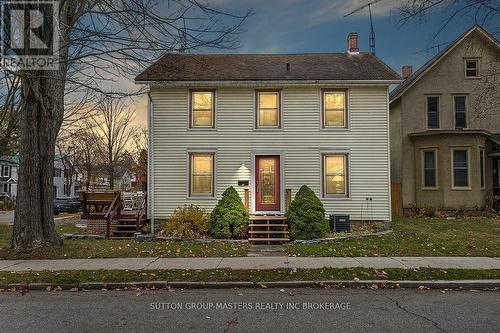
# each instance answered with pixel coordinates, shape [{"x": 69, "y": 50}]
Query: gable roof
[
  {"x": 268, "y": 67},
  {"x": 399, "y": 90}
]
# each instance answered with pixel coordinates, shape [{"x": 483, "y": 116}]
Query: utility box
[{"x": 340, "y": 223}]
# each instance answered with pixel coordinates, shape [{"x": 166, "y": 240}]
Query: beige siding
[{"x": 300, "y": 141}]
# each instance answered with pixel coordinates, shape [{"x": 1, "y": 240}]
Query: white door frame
[{"x": 281, "y": 156}]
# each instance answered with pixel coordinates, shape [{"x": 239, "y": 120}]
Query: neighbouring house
[
  {"x": 445, "y": 127},
  {"x": 268, "y": 124},
  {"x": 9, "y": 167},
  {"x": 124, "y": 179},
  {"x": 8, "y": 177}
]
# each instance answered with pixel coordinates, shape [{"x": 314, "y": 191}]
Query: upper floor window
[
  {"x": 334, "y": 108},
  {"x": 460, "y": 111},
  {"x": 5, "y": 170},
  {"x": 432, "y": 112},
  {"x": 429, "y": 174},
  {"x": 57, "y": 172},
  {"x": 268, "y": 109},
  {"x": 202, "y": 109},
  {"x": 471, "y": 68},
  {"x": 335, "y": 177},
  {"x": 460, "y": 171},
  {"x": 201, "y": 174}
]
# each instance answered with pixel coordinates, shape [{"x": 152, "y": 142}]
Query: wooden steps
[{"x": 268, "y": 229}]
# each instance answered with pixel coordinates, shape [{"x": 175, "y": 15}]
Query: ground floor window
[
  {"x": 201, "y": 174},
  {"x": 460, "y": 170},
  {"x": 429, "y": 173},
  {"x": 335, "y": 175}
]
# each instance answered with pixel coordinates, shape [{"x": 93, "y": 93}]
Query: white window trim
[
  {"x": 189, "y": 195},
  {"x": 190, "y": 125},
  {"x": 460, "y": 188},
  {"x": 455, "y": 110},
  {"x": 427, "y": 112},
  {"x": 256, "y": 93},
  {"x": 348, "y": 195},
  {"x": 422, "y": 168},
  {"x": 483, "y": 177},
  {"x": 347, "y": 111},
  {"x": 477, "y": 60}
]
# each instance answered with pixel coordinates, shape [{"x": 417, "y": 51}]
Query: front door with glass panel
[{"x": 267, "y": 183}]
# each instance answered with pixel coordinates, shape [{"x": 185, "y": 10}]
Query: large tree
[{"x": 101, "y": 42}]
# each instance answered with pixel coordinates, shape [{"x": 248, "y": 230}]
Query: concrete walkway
[{"x": 249, "y": 263}]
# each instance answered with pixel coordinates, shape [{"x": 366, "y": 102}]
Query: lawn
[
  {"x": 119, "y": 248},
  {"x": 417, "y": 237},
  {"x": 256, "y": 276}
]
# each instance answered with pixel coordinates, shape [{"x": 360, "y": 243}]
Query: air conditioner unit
[{"x": 340, "y": 223}]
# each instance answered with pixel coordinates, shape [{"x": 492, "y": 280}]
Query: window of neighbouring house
[
  {"x": 432, "y": 112},
  {"x": 201, "y": 179},
  {"x": 472, "y": 68},
  {"x": 429, "y": 175},
  {"x": 481, "y": 167},
  {"x": 57, "y": 172},
  {"x": 335, "y": 175},
  {"x": 202, "y": 109},
  {"x": 268, "y": 109},
  {"x": 334, "y": 109},
  {"x": 6, "y": 169},
  {"x": 5, "y": 188},
  {"x": 460, "y": 170},
  {"x": 460, "y": 111}
]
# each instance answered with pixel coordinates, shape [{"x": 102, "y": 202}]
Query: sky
[{"x": 310, "y": 26}]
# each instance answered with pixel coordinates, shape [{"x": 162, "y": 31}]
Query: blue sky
[{"x": 296, "y": 26}]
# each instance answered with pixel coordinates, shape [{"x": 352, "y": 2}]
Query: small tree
[
  {"x": 229, "y": 217},
  {"x": 307, "y": 215}
]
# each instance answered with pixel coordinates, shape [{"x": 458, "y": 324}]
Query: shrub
[
  {"x": 229, "y": 217},
  {"x": 187, "y": 222},
  {"x": 306, "y": 215}
]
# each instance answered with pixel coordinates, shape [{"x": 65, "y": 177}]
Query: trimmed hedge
[
  {"x": 187, "y": 222},
  {"x": 229, "y": 217},
  {"x": 306, "y": 215}
]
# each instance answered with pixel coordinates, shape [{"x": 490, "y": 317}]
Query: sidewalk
[{"x": 250, "y": 263}]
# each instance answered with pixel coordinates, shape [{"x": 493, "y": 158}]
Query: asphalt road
[
  {"x": 343, "y": 310},
  {"x": 7, "y": 217}
]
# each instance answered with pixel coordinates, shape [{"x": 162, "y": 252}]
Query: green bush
[
  {"x": 306, "y": 215},
  {"x": 187, "y": 222},
  {"x": 229, "y": 218}
]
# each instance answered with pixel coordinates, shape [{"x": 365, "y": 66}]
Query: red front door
[{"x": 267, "y": 183}]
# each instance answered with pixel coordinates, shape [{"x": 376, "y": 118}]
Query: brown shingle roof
[{"x": 267, "y": 67}]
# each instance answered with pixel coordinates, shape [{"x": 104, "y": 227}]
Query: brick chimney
[
  {"x": 406, "y": 71},
  {"x": 352, "y": 43}
]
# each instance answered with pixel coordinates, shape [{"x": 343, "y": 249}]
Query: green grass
[
  {"x": 119, "y": 248},
  {"x": 222, "y": 275},
  {"x": 417, "y": 237}
]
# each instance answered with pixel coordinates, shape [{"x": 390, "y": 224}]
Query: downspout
[
  {"x": 389, "y": 155},
  {"x": 151, "y": 186}
]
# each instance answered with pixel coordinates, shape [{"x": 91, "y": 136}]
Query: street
[
  {"x": 252, "y": 310},
  {"x": 7, "y": 217}
]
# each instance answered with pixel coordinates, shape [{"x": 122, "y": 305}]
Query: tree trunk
[{"x": 41, "y": 119}]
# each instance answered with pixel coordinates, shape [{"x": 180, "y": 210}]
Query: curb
[{"x": 373, "y": 284}]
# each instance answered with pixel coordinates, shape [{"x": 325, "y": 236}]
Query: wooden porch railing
[{"x": 115, "y": 209}]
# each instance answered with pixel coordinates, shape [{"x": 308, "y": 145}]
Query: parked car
[{"x": 66, "y": 205}]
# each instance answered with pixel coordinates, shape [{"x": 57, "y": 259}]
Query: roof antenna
[{"x": 372, "y": 31}]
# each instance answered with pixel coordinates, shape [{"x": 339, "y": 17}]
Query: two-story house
[
  {"x": 445, "y": 126},
  {"x": 8, "y": 177},
  {"x": 269, "y": 123}
]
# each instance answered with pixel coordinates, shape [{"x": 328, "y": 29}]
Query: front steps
[{"x": 268, "y": 229}]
